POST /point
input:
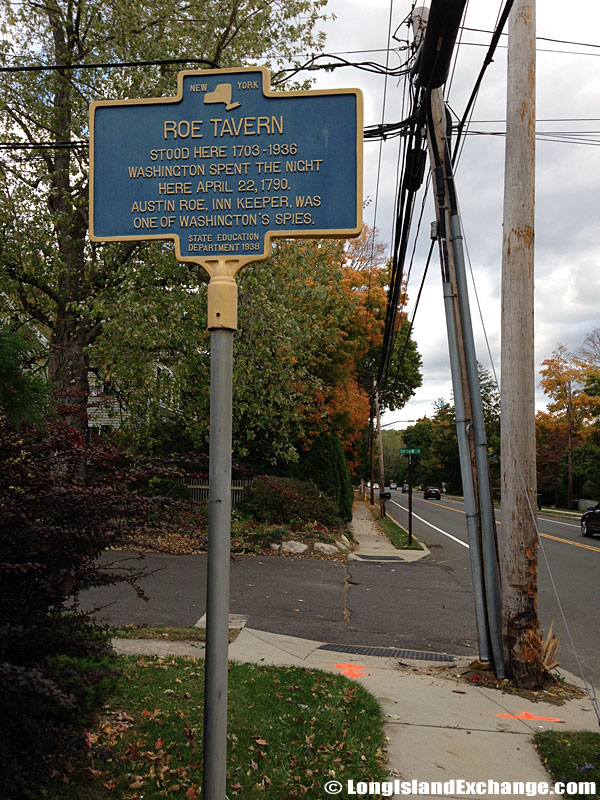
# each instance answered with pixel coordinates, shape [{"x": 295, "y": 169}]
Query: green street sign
[{"x": 408, "y": 451}]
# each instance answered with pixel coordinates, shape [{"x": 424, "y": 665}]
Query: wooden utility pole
[
  {"x": 380, "y": 446},
  {"x": 517, "y": 541},
  {"x": 569, "y": 446}
]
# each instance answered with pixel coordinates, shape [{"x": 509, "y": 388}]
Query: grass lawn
[
  {"x": 571, "y": 756},
  {"x": 394, "y": 532},
  {"x": 290, "y": 730},
  {"x": 166, "y": 633}
]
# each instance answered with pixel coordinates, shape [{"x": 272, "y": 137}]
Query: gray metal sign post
[
  {"x": 221, "y": 169},
  {"x": 410, "y": 452}
]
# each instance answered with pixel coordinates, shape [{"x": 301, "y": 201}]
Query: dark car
[
  {"x": 590, "y": 521},
  {"x": 431, "y": 491}
]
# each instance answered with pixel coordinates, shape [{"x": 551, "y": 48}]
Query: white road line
[
  {"x": 435, "y": 528},
  {"x": 551, "y": 519}
]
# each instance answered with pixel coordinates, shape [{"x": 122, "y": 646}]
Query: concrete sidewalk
[
  {"x": 373, "y": 545},
  {"x": 438, "y": 727}
]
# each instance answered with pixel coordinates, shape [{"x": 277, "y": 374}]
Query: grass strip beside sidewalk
[
  {"x": 166, "y": 633},
  {"x": 290, "y": 730},
  {"x": 397, "y": 535}
]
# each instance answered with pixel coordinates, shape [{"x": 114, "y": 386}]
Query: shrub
[
  {"x": 325, "y": 464},
  {"x": 286, "y": 500},
  {"x": 55, "y": 663}
]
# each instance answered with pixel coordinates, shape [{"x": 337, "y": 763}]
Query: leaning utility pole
[
  {"x": 380, "y": 447},
  {"x": 435, "y": 35},
  {"x": 518, "y": 542}
]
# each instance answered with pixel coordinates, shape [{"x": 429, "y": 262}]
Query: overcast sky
[{"x": 567, "y": 174}]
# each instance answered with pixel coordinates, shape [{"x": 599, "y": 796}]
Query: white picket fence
[{"x": 198, "y": 492}]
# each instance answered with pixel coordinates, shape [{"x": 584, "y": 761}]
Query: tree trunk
[{"x": 68, "y": 373}]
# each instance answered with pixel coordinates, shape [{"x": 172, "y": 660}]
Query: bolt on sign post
[
  {"x": 221, "y": 169},
  {"x": 410, "y": 452}
]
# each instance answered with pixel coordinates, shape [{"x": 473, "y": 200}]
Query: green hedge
[
  {"x": 325, "y": 464},
  {"x": 288, "y": 500}
]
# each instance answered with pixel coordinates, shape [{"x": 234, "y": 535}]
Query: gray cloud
[{"x": 567, "y": 277}]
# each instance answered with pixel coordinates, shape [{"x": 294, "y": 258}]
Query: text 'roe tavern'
[{"x": 244, "y": 126}]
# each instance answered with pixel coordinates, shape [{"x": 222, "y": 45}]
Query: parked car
[
  {"x": 405, "y": 488},
  {"x": 393, "y": 485},
  {"x": 431, "y": 491},
  {"x": 590, "y": 521}
]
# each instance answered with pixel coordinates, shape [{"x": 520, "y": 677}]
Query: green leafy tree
[
  {"x": 23, "y": 392},
  {"x": 490, "y": 398},
  {"x": 395, "y": 464},
  {"x": 299, "y": 339},
  {"x": 421, "y": 436},
  {"x": 48, "y": 267},
  {"x": 365, "y": 258},
  {"x": 325, "y": 464},
  {"x": 586, "y": 473}
]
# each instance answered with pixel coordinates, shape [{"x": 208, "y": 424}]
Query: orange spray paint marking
[
  {"x": 527, "y": 715},
  {"x": 350, "y": 670}
]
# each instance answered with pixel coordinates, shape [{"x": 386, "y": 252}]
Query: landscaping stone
[
  {"x": 275, "y": 547},
  {"x": 326, "y": 549},
  {"x": 342, "y": 546},
  {"x": 295, "y": 548}
]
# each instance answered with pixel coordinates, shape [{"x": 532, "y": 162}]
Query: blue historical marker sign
[{"x": 225, "y": 165}]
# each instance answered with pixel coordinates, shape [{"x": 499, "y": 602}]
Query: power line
[
  {"x": 109, "y": 65},
  {"x": 540, "y": 38},
  {"x": 489, "y": 57}
]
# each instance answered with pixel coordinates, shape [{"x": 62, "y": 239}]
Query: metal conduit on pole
[
  {"x": 475, "y": 553},
  {"x": 486, "y": 507},
  {"x": 470, "y": 425},
  {"x": 437, "y": 149}
]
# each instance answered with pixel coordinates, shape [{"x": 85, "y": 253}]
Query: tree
[
  {"x": 403, "y": 375},
  {"x": 56, "y": 277},
  {"x": 23, "y": 393},
  {"x": 395, "y": 464},
  {"x": 589, "y": 352},
  {"x": 572, "y": 384},
  {"x": 551, "y": 443},
  {"x": 304, "y": 332},
  {"x": 326, "y": 466},
  {"x": 436, "y": 437},
  {"x": 490, "y": 398}
]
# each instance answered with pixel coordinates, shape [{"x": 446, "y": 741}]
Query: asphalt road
[
  {"x": 569, "y": 572},
  {"x": 419, "y": 606},
  {"x": 426, "y": 605}
]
